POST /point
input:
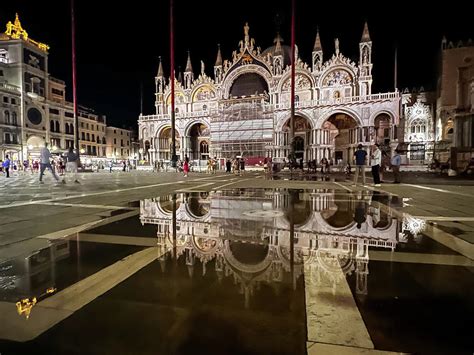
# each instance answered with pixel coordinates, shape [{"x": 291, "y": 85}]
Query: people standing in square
[
  {"x": 360, "y": 156},
  {"x": 375, "y": 161}
]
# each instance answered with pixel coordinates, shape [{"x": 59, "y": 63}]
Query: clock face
[{"x": 34, "y": 116}]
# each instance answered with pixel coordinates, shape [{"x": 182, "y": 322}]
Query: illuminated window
[{"x": 418, "y": 126}]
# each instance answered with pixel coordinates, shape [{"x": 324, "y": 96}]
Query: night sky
[{"x": 118, "y": 45}]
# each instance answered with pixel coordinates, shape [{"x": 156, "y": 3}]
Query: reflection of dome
[{"x": 250, "y": 254}]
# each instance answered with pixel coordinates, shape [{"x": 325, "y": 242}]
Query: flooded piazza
[{"x": 241, "y": 271}]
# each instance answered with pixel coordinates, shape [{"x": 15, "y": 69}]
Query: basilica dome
[{"x": 286, "y": 51}]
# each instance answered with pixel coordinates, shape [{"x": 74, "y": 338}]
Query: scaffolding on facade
[{"x": 242, "y": 127}]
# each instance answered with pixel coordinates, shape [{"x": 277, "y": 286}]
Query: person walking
[
  {"x": 6, "y": 166},
  {"x": 45, "y": 156},
  {"x": 228, "y": 166},
  {"x": 72, "y": 160},
  {"x": 360, "y": 156},
  {"x": 375, "y": 163},
  {"x": 185, "y": 168},
  {"x": 395, "y": 163}
]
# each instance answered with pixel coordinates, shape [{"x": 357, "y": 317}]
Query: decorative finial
[
  {"x": 317, "y": 42},
  {"x": 336, "y": 44},
  {"x": 365, "y": 33}
]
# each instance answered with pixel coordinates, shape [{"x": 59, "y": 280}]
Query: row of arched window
[
  {"x": 92, "y": 138},
  {"x": 10, "y": 118},
  {"x": 54, "y": 126}
]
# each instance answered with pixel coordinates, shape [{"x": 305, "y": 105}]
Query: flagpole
[
  {"x": 292, "y": 98},
  {"x": 173, "y": 120},
  {"x": 74, "y": 79}
]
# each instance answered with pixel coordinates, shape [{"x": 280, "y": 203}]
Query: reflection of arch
[
  {"x": 332, "y": 261},
  {"x": 261, "y": 258},
  {"x": 197, "y": 209},
  {"x": 204, "y": 245},
  {"x": 338, "y": 220}
]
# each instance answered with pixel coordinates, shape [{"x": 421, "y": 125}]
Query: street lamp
[{"x": 83, "y": 150}]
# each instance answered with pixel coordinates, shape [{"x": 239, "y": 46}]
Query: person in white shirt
[
  {"x": 45, "y": 156},
  {"x": 376, "y": 160}
]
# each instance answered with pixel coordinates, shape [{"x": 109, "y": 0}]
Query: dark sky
[{"x": 118, "y": 45}]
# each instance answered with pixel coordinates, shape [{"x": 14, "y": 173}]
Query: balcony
[{"x": 283, "y": 106}]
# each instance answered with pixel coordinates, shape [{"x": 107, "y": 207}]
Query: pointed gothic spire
[
  {"x": 160, "y": 69},
  {"x": 278, "y": 47},
  {"x": 219, "y": 56},
  {"x": 365, "y": 33},
  {"x": 317, "y": 42},
  {"x": 189, "y": 67}
]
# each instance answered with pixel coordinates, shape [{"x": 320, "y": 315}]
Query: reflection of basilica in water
[{"x": 249, "y": 234}]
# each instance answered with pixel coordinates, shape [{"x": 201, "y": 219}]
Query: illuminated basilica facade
[{"x": 244, "y": 109}]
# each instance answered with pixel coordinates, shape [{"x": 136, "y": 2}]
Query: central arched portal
[
  {"x": 343, "y": 138},
  {"x": 243, "y": 128},
  {"x": 198, "y": 142},
  {"x": 302, "y": 139},
  {"x": 163, "y": 143}
]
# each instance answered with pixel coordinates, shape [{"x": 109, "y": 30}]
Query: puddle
[{"x": 233, "y": 277}]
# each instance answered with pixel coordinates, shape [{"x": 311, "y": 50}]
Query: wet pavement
[{"x": 242, "y": 271}]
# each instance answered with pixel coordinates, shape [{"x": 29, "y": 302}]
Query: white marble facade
[{"x": 244, "y": 109}]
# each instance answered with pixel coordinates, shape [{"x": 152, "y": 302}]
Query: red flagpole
[
  {"x": 173, "y": 123},
  {"x": 74, "y": 79},
  {"x": 292, "y": 118}
]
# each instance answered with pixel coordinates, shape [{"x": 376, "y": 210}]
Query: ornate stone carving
[
  {"x": 301, "y": 82},
  {"x": 337, "y": 77}
]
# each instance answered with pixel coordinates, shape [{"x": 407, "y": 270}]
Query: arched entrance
[
  {"x": 342, "y": 137},
  {"x": 198, "y": 142},
  {"x": 163, "y": 143},
  {"x": 146, "y": 152},
  {"x": 302, "y": 139},
  {"x": 383, "y": 130},
  {"x": 34, "y": 145}
]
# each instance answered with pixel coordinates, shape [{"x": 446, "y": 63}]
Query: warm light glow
[
  {"x": 83, "y": 150},
  {"x": 30, "y": 146},
  {"x": 140, "y": 150},
  {"x": 55, "y": 147}
]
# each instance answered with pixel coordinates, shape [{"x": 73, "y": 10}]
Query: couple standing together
[{"x": 375, "y": 162}]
